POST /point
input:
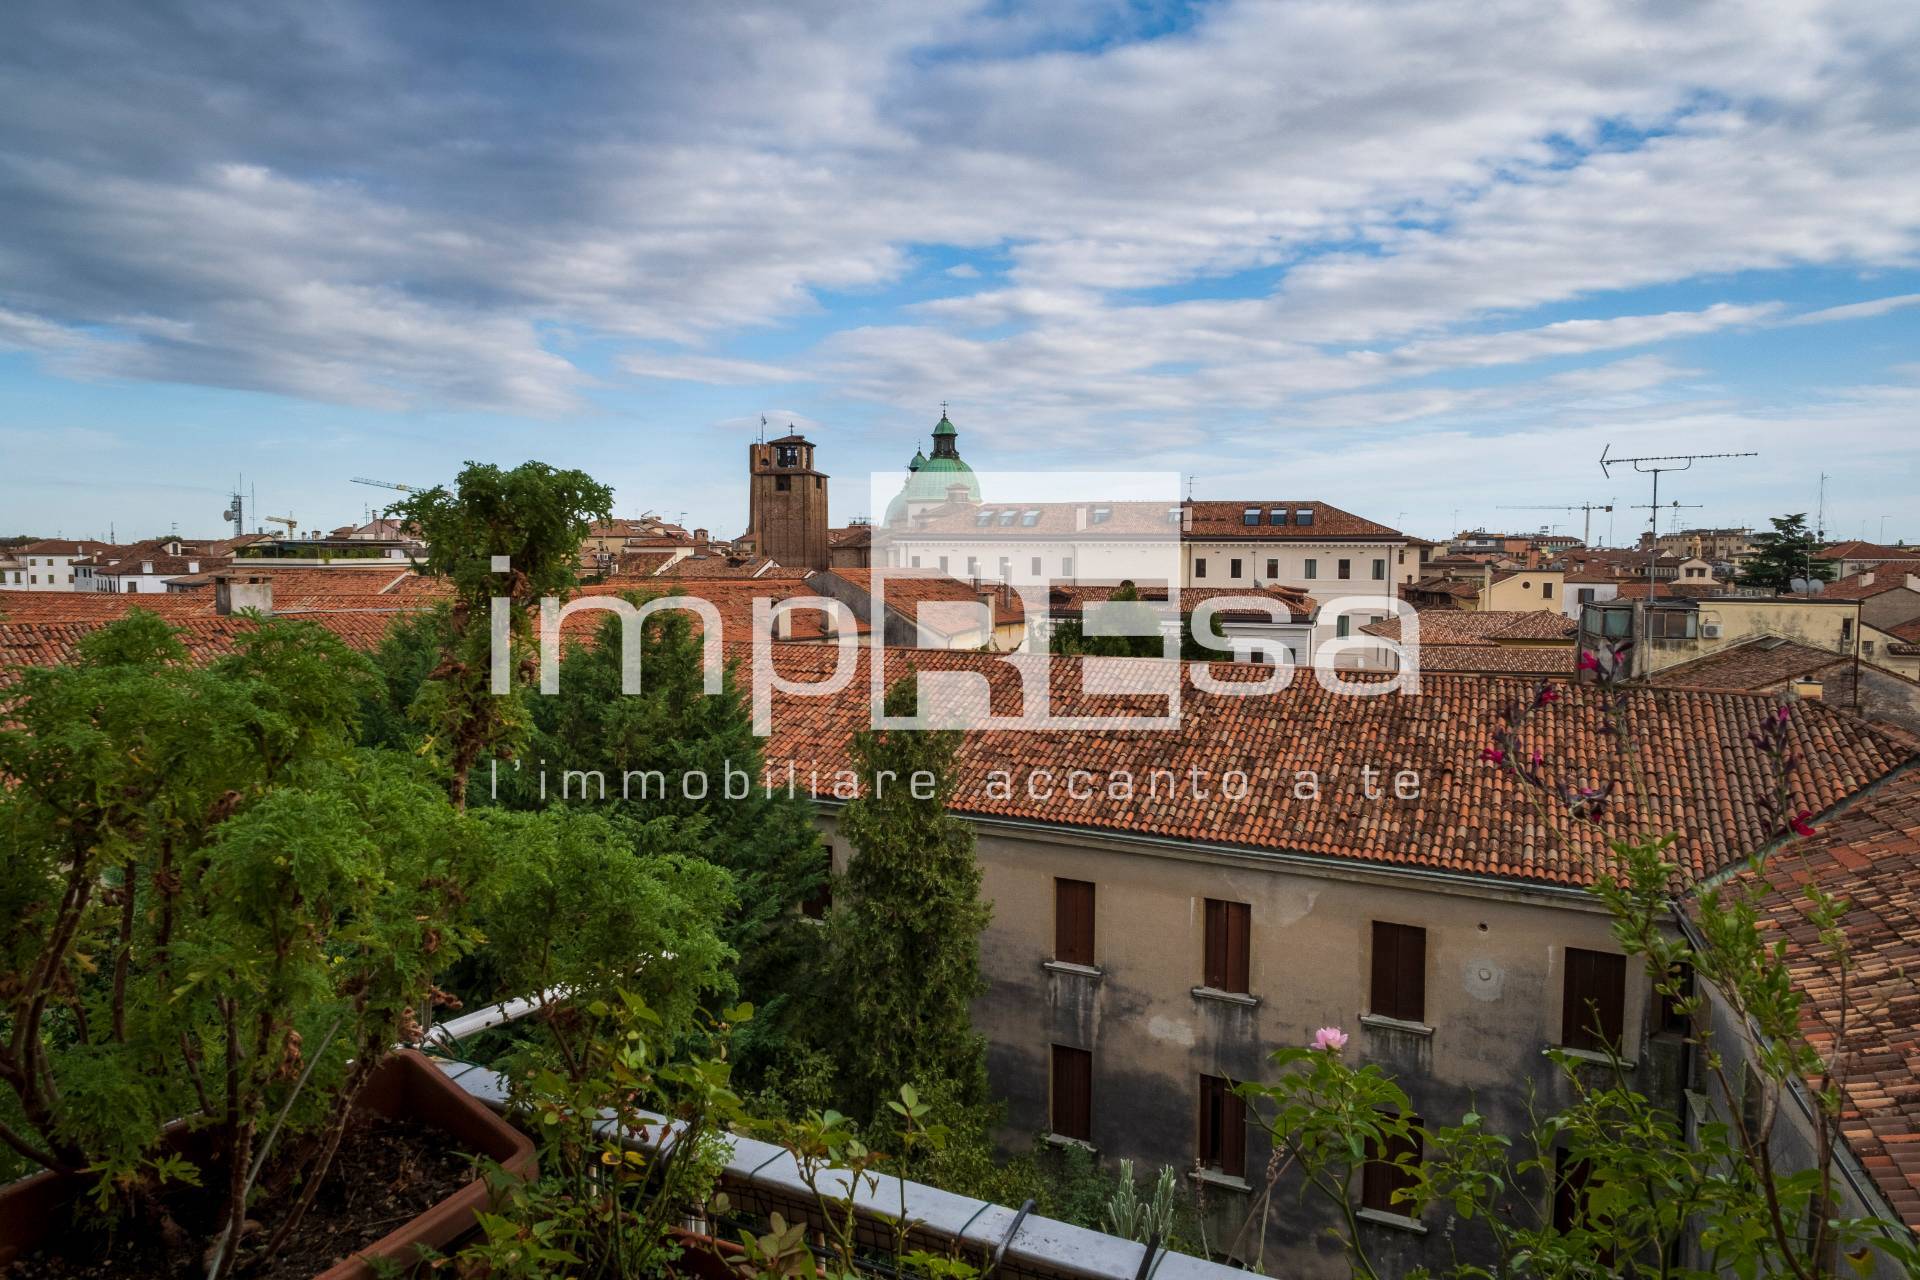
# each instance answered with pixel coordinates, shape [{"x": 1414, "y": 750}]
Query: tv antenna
[
  {"x": 1586, "y": 532},
  {"x": 1651, "y": 465}
]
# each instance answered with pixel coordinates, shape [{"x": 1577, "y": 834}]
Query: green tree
[
  {"x": 1069, "y": 635},
  {"x": 651, "y": 747},
  {"x": 907, "y": 944},
  {"x": 536, "y": 517},
  {"x": 1783, "y": 555}
]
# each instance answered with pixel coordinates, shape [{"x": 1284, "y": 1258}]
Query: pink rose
[{"x": 1330, "y": 1039}]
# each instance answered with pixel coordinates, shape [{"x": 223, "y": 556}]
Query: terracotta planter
[
  {"x": 707, "y": 1258},
  {"x": 406, "y": 1086}
]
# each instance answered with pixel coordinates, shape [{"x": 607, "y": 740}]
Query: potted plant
[{"x": 219, "y": 918}]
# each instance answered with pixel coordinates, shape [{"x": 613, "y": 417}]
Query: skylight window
[
  {"x": 983, "y": 519},
  {"x": 1030, "y": 517},
  {"x": 1101, "y": 515}
]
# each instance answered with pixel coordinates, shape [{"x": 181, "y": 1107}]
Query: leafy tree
[
  {"x": 907, "y": 945},
  {"x": 1069, "y": 635},
  {"x": 214, "y": 908},
  {"x": 535, "y": 516},
  {"x": 681, "y": 770},
  {"x": 1783, "y": 555}
]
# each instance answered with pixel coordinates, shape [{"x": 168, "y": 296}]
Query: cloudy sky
[{"x": 1415, "y": 259}]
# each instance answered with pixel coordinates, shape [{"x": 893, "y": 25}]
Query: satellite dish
[{"x": 1808, "y": 586}]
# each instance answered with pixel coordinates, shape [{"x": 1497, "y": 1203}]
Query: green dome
[
  {"x": 929, "y": 478},
  {"x": 919, "y": 461},
  {"x": 944, "y": 427}
]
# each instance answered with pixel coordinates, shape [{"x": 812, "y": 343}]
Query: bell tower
[{"x": 787, "y": 502}]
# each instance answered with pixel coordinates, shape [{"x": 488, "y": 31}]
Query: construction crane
[
  {"x": 385, "y": 484},
  {"x": 293, "y": 526},
  {"x": 1586, "y": 532}
]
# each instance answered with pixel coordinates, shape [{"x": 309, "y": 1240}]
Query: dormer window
[
  {"x": 1303, "y": 515},
  {"x": 1277, "y": 515},
  {"x": 983, "y": 519},
  {"x": 1250, "y": 516},
  {"x": 1101, "y": 515},
  {"x": 1030, "y": 517},
  {"x": 1008, "y": 517}
]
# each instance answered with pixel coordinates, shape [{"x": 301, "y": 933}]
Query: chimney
[
  {"x": 699, "y": 537},
  {"x": 1866, "y": 579},
  {"x": 957, "y": 494},
  {"x": 1807, "y": 687},
  {"x": 235, "y": 592}
]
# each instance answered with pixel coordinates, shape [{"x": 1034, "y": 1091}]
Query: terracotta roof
[
  {"x": 1227, "y": 520},
  {"x": 1472, "y": 817},
  {"x": 1454, "y": 626},
  {"x": 1890, "y": 575},
  {"x": 1069, "y": 599},
  {"x": 42, "y": 643},
  {"x": 1766, "y": 663},
  {"x": 1498, "y": 659},
  {"x": 732, "y": 599},
  {"x": 1869, "y": 855},
  {"x": 1863, "y": 551},
  {"x": 58, "y": 547},
  {"x": 853, "y": 535},
  {"x": 1670, "y": 590},
  {"x": 919, "y": 594},
  {"x": 714, "y": 566}
]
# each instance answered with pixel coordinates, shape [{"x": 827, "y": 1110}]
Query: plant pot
[{"x": 406, "y": 1086}]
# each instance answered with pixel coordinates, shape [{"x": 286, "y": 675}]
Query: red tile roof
[
  {"x": 1502, "y": 659},
  {"x": 918, "y": 594},
  {"x": 1472, "y": 817},
  {"x": 1863, "y": 551},
  {"x": 1070, "y": 599},
  {"x": 1869, "y": 855},
  {"x": 1227, "y": 521},
  {"x": 1455, "y": 626},
  {"x": 1889, "y": 575},
  {"x": 1764, "y": 664}
]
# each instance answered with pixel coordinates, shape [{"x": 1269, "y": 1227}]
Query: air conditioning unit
[{"x": 1710, "y": 630}]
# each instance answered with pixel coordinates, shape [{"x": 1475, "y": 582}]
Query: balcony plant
[{"x": 220, "y": 915}]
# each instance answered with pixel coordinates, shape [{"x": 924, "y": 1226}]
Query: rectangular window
[
  {"x": 1379, "y": 570},
  {"x": 1342, "y": 625},
  {"x": 1066, "y": 566},
  {"x": 1586, "y": 595},
  {"x": 1072, "y": 1093},
  {"x": 1226, "y": 959},
  {"x": 916, "y": 562},
  {"x": 1223, "y": 1128},
  {"x": 1073, "y": 921},
  {"x": 1199, "y": 568},
  {"x": 1546, "y": 590},
  {"x": 1250, "y": 516},
  {"x": 1399, "y": 971},
  {"x": 1303, "y": 515},
  {"x": 1345, "y": 569},
  {"x": 1233, "y": 567},
  {"x": 820, "y": 901},
  {"x": 1594, "y": 997},
  {"x": 1277, "y": 515},
  {"x": 1273, "y": 567},
  {"x": 1386, "y": 1172},
  {"x": 1036, "y": 566},
  {"x": 1006, "y": 568},
  {"x": 973, "y": 566},
  {"x": 943, "y": 564},
  {"x": 783, "y": 483},
  {"x": 1313, "y": 569}
]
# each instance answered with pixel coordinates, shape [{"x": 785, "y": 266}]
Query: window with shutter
[
  {"x": 1223, "y": 1127},
  {"x": 1382, "y": 1176},
  {"x": 1399, "y": 972},
  {"x": 1072, "y": 1093},
  {"x": 1593, "y": 1009},
  {"x": 1073, "y": 921},
  {"x": 1226, "y": 952}
]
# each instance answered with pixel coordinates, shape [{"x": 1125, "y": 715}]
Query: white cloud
[{"x": 1856, "y": 310}]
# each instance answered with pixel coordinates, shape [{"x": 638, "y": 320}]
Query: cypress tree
[{"x": 907, "y": 943}]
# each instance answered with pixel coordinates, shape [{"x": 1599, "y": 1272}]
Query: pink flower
[
  {"x": 1330, "y": 1039},
  {"x": 1588, "y": 662},
  {"x": 1493, "y": 755},
  {"x": 1802, "y": 827}
]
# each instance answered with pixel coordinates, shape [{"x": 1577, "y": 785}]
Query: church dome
[{"x": 929, "y": 478}]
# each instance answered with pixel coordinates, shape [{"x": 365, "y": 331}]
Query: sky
[{"x": 1421, "y": 260}]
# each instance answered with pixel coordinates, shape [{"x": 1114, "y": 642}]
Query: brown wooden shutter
[
  {"x": 1073, "y": 1093},
  {"x": 1593, "y": 1013},
  {"x": 1399, "y": 971},
  {"x": 1223, "y": 1127},
  {"x": 1381, "y": 1177},
  {"x": 1228, "y": 926},
  {"x": 1073, "y": 921}
]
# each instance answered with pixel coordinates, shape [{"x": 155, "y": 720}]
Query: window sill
[
  {"x": 1077, "y": 970},
  {"x": 1381, "y": 1022},
  {"x": 1226, "y": 997},
  {"x": 1062, "y": 1140},
  {"x": 1397, "y": 1221},
  {"x": 1215, "y": 1178}
]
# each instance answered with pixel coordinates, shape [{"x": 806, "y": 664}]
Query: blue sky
[{"x": 1416, "y": 259}]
